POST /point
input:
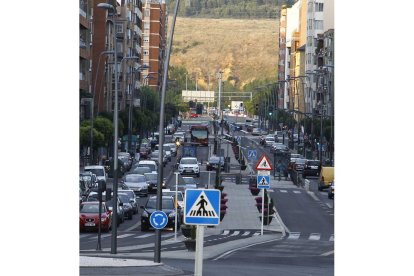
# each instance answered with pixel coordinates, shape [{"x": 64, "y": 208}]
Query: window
[
  {"x": 119, "y": 28},
  {"x": 319, "y": 24},
  {"x": 319, "y": 7},
  {"x": 146, "y": 25},
  {"x": 147, "y": 12}
]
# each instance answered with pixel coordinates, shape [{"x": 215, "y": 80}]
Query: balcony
[
  {"x": 84, "y": 53},
  {"x": 138, "y": 13},
  {"x": 83, "y": 85}
]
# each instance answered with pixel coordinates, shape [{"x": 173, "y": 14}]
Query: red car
[
  {"x": 89, "y": 216},
  {"x": 194, "y": 115}
]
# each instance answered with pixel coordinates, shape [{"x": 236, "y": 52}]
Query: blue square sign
[
  {"x": 263, "y": 181},
  {"x": 202, "y": 207}
]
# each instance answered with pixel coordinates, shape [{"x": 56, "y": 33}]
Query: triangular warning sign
[
  {"x": 202, "y": 208},
  {"x": 264, "y": 164}
]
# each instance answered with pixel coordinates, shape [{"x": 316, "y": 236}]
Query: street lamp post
[{"x": 115, "y": 167}]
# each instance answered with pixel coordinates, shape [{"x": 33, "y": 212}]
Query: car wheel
[
  {"x": 198, "y": 175},
  {"x": 144, "y": 227}
]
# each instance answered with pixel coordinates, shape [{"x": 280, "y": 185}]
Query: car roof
[{"x": 94, "y": 167}]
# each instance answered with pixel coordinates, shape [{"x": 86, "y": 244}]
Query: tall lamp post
[{"x": 109, "y": 7}]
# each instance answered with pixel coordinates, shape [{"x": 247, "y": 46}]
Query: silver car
[{"x": 137, "y": 183}]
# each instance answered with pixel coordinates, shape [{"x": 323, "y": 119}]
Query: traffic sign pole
[
  {"x": 263, "y": 195},
  {"x": 198, "y": 266}
]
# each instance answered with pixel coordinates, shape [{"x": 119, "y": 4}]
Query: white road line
[
  {"x": 327, "y": 253},
  {"x": 294, "y": 235},
  {"x": 124, "y": 236},
  {"x": 313, "y": 196},
  {"x": 256, "y": 234},
  {"x": 102, "y": 236},
  {"x": 246, "y": 233},
  {"x": 283, "y": 191},
  {"x": 331, "y": 238},
  {"x": 85, "y": 236},
  {"x": 297, "y": 192},
  {"x": 168, "y": 235},
  {"x": 225, "y": 232},
  {"x": 270, "y": 190},
  {"x": 329, "y": 205},
  {"x": 144, "y": 236},
  {"x": 235, "y": 233},
  {"x": 315, "y": 237}
]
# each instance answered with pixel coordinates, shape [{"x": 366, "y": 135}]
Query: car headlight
[
  {"x": 144, "y": 214},
  {"x": 172, "y": 214},
  {"x": 104, "y": 219}
]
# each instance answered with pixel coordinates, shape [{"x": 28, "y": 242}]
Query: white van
[{"x": 99, "y": 171}]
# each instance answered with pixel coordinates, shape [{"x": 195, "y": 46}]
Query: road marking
[
  {"x": 144, "y": 236},
  {"x": 296, "y": 192},
  {"x": 168, "y": 235},
  {"x": 327, "y": 253},
  {"x": 246, "y": 233},
  {"x": 331, "y": 238},
  {"x": 133, "y": 227},
  {"x": 315, "y": 237},
  {"x": 283, "y": 191},
  {"x": 270, "y": 190},
  {"x": 235, "y": 233},
  {"x": 225, "y": 232},
  {"x": 102, "y": 236},
  {"x": 124, "y": 236},
  {"x": 85, "y": 235},
  {"x": 294, "y": 235},
  {"x": 329, "y": 205},
  {"x": 313, "y": 196},
  {"x": 256, "y": 234}
]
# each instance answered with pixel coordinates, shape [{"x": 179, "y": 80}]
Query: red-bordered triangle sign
[{"x": 264, "y": 164}]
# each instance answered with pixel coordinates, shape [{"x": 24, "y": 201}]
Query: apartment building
[
  {"x": 281, "y": 72},
  {"x": 128, "y": 33},
  {"x": 154, "y": 42},
  {"x": 84, "y": 61}
]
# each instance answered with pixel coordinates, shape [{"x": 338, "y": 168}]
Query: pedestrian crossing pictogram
[
  {"x": 263, "y": 181},
  {"x": 202, "y": 207}
]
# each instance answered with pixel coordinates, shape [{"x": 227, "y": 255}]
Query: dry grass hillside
[{"x": 245, "y": 49}]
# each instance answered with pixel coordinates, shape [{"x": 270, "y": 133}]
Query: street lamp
[{"x": 109, "y": 7}]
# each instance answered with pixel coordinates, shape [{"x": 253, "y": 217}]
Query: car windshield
[
  {"x": 134, "y": 178},
  {"x": 151, "y": 166},
  {"x": 300, "y": 161},
  {"x": 124, "y": 198},
  {"x": 167, "y": 148},
  {"x": 188, "y": 180},
  {"x": 151, "y": 176},
  {"x": 179, "y": 195},
  {"x": 313, "y": 163},
  {"x": 91, "y": 208},
  {"x": 167, "y": 203},
  {"x": 188, "y": 161},
  {"x": 142, "y": 170},
  {"x": 97, "y": 172},
  {"x": 130, "y": 194}
]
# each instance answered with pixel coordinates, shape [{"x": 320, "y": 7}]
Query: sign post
[
  {"x": 201, "y": 207},
  {"x": 263, "y": 168}
]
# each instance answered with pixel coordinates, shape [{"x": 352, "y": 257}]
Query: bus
[{"x": 199, "y": 134}]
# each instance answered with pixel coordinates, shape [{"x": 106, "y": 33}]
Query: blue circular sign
[{"x": 158, "y": 219}]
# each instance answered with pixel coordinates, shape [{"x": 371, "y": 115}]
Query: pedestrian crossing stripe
[{"x": 202, "y": 207}]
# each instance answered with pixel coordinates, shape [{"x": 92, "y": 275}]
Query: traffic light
[
  {"x": 257, "y": 107},
  {"x": 270, "y": 110}
]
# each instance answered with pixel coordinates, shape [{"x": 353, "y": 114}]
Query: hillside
[
  {"x": 245, "y": 50},
  {"x": 230, "y": 8}
]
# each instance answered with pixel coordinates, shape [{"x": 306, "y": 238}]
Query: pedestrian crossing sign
[
  {"x": 264, "y": 164},
  {"x": 263, "y": 181},
  {"x": 202, "y": 207}
]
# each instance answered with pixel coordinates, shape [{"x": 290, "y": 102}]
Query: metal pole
[
  {"x": 98, "y": 245},
  {"x": 176, "y": 207},
  {"x": 157, "y": 251},
  {"x": 198, "y": 269},
  {"x": 261, "y": 229},
  {"x": 131, "y": 93}
]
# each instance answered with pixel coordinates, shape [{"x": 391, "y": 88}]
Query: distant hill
[
  {"x": 230, "y": 8},
  {"x": 246, "y": 50}
]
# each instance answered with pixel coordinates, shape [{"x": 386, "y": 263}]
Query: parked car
[
  {"x": 152, "y": 180},
  {"x": 155, "y": 155},
  {"x": 120, "y": 210},
  {"x": 214, "y": 162},
  {"x": 167, "y": 206},
  {"x": 331, "y": 191},
  {"x": 132, "y": 196},
  {"x": 269, "y": 141},
  {"x": 279, "y": 147},
  {"x": 326, "y": 177},
  {"x": 180, "y": 196},
  {"x": 89, "y": 216},
  {"x": 189, "y": 165},
  {"x": 126, "y": 205},
  {"x": 256, "y": 131},
  {"x": 137, "y": 183},
  {"x": 312, "y": 167}
]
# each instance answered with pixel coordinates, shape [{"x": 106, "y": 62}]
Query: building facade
[
  {"x": 154, "y": 42},
  {"x": 84, "y": 60}
]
